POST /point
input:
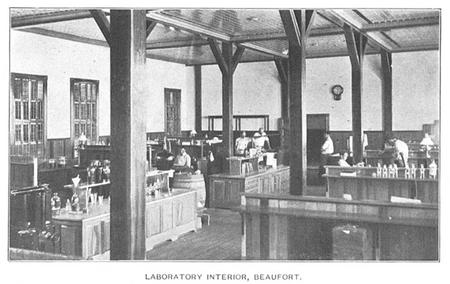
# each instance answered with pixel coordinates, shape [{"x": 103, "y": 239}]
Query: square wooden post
[{"x": 128, "y": 131}]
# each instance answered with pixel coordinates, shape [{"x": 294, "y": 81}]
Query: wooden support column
[
  {"x": 227, "y": 62},
  {"x": 297, "y": 24},
  {"x": 198, "y": 97},
  {"x": 386, "y": 91},
  {"x": 356, "y": 45},
  {"x": 282, "y": 67},
  {"x": 128, "y": 128}
]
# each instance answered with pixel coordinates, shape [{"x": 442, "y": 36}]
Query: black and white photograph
[{"x": 198, "y": 135}]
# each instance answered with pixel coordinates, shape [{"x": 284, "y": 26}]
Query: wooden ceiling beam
[
  {"x": 237, "y": 57},
  {"x": 176, "y": 43},
  {"x": 103, "y": 24},
  {"x": 291, "y": 27},
  {"x": 150, "y": 26},
  {"x": 186, "y": 26},
  {"x": 341, "y": 17},
  {"x": 218, "y": 55},
  {"x": 30, "y": 20},
  {"x": 392, "y": 25},
  {"x": 264, "y": 50}
]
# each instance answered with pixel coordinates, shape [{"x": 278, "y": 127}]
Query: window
[
  {"x": 27, "y": 118},
  {"x": 84, "y": 96}
]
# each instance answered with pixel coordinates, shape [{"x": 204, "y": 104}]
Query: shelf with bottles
[{"x": 385, "y": 172}]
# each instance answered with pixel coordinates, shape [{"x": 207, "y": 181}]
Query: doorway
[
  {"x": 172, "y": 110},
  {"x": 316, "y": 125}
]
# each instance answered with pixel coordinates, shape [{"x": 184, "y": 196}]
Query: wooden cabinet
[
  {"x": 85, "y": 235},
  {"x": 225, "y": 190},
  {"x": 168, "y": 217}
]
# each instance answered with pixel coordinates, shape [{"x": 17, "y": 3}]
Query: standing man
[
  {"x": 325, "y": 151},
  {"x": 242, "y": 144}
]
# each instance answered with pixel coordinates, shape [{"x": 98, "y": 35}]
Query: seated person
[
  {"x": 242, "y": 144},
  {"x": 426, "y": 142},
  {"x": 350, "y": 160},
  {"x": 182, "y": 161},
  {"x": 343, "y": 159}
]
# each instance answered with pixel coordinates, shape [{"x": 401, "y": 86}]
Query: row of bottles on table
[
  {"x": 409, "y": 173},
  {"x": 98, "y": 172}
]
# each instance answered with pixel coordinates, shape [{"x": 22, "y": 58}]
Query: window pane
[
  {"x": 33, "y": 110},
  {"x": 77, "y": 130},
  {"x": 77, "y": 111},
  {"x": 83, "y": 129},
  {"x": 94, "y": 132},
  {"x": 25, "y": 111},
  {"x": 88, "y": 109},
  {"x": 83, "y": 92},
  {"x": 40, "y": 91},
  {"x": 94, "y": 112},
  {"x": 33, "y": 89},
  {"x": 88, "y": 92},
  {"x": 18, "y": 133},
  {"x": 94, "y": 92},
  {"x": 25, "y": 133},
  {"x": 33, "y": 133},
  {"x": 39, "y": 110},
  {"x": 17, "y": 88},
  {"x": 25, "y": 89},
  {"x": 83, "y": 111},
  {"x": 18, "y": 110},
  {"x": 40, "y": 132},
  {"x": 76, "y": 92},
  {"x": 88, "y": 131}
]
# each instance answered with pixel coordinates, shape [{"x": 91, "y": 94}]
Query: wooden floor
[{"x": 221, "y": 240}]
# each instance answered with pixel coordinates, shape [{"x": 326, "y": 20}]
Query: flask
[{"x": 433, "y": 169}]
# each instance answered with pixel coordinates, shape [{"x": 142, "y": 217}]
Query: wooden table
[
  {"x": 85, "y": 235},
  {"x": 225, "y": 190},
  {"x": 301, "y": 227},
  {"x": 362, "y": 186}
]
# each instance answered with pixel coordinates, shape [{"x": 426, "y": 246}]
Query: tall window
[
  {"x": 28, "y": 120},
  {"x": 84, "y": 96}
]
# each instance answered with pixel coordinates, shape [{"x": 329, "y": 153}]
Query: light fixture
[{"x": 285, "y": 51}]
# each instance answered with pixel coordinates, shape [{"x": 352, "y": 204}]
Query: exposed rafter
[
  {"x": 341, "y": 17},
  {"x": 261, "y": 49},
  {"x": 176, "y": 43},
  {"x": 150, "y": 26},
  {"x": 29, "y": 20},
  {"x": 237, "y": 57},
  {"x": 218, "y": 55},
  {"x": 187, "y": 26},
  {"x": 103, "y": 24}
]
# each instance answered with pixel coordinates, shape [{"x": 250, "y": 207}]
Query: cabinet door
[
  {"x": 153, "y": 221},
  {"x": 93, "y": 238},
  {"x": 166, "y": 215},
  {"x": 217, "y": 192},
  {"x": 233, "y": 188},
  {"x": 184, "y": 209},
  {"x": 106, "y": 235},
  {"x": 70, "y": 240}
]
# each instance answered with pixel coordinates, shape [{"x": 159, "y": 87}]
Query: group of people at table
[
  {"x": 260, "y": 141},
  {"x": 396, "y": 149}
]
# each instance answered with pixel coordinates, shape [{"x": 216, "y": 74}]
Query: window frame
[
  {"x": 73, "y": 81},
  {"x": 43, "y": 118}
]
